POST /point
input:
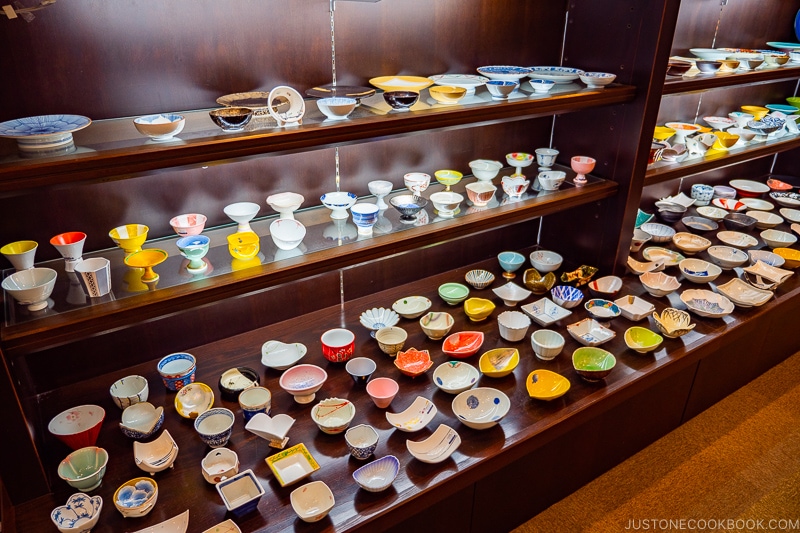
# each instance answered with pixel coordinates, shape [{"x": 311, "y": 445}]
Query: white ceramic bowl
[
  {"x": 312, "y": 501},
  {"x": 546, "y": 261},
  {"x": 454, "y": 377},
  {"x": 765, "y": 219},
  {"x": 436, "y": 448},
  {"x": 659, "y": 284},
  {"x": 337, "y": 108},
  {"x": 511, "y": 293},
  {"x": 285, "y": 203},
  {"x": 160, "y": 127},
  {"x": 699, "y": 271},
  {"x": 303, "y": 381},
  {"x": 485, "y": 169},
  {"x": 220, "y": 464},
  {"x": 156, "y": 455},
  {"x": 777, "y": 239},
  {"x": 659, "y": 232},
  {"x": 547, "y": 344},
  {"x": 513, "y": 325},
  {"x": 280, "y": 355},
  {"x": 129, "y": 390},
  {"x": 79, "y": 515},
  {"x": 141, "y": 420},
  {"x": 481, "y": 408},
  {"x": 378, "y": 475},
  {"x": 31, "y": 287},
  {"x": 287, "y": 233},
  {"x": 436, "y": 324},
  {"x": 333, "y": 415},
  {"x": 727, "y": 257},
  {"x": 338, "y": 202}
]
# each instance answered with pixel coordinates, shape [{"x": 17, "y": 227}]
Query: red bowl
[
  {"x": 78, "y": 427},
  {"x": 338, "y": 345},
  {"x": 413, "y": 362},
  {"x": 778, "y": 185},
  {"x": 463, "y": 344}
]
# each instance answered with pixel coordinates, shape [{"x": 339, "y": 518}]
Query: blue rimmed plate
[
  {"x": 21, "y": 128},
  {"x": 556, "y": 74},
  {"x": 504, "y": 72}
]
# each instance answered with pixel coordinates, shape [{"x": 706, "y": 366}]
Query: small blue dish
[
  {"x": 510, "y": 262},
  {"x": 783, "y": 108}
]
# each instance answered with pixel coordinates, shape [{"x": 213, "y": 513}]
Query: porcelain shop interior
[{"x": 248, "y": 270}]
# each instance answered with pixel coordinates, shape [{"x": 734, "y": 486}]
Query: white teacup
[{"x": 95, "y": 276}]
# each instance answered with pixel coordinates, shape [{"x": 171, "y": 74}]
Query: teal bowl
[
  {"x": 510, "y": 262},
  {"x": 84, "y": 468}
]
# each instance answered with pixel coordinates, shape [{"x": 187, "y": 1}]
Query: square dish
[
  {"x": 545, "y": 311},
  {"x": 292, "y": 464}
]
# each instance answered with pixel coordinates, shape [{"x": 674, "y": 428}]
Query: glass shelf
[{"x": 703, "y": 82}]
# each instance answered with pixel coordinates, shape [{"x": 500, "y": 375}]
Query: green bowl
[
  {"x": 642, "y": 339},
  {"x": 84, "y": 468},
  {"x": 593, "y": 364},
  {"x": 793, "y": 101},
  {"x": 453, "y": 293}
]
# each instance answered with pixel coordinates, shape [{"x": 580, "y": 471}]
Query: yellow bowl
[
  {"x": 478, "y": 309},
  {"x": 20, "y": 254},
  {"x": 662, "y": 133},
  {"x": 546, "y": 385},
  {"x": 724, "y": 140},
  {"x": 499, "y": 362},
  {"x": 129, "y": 237},
  {"x": 791, "y": 257},
  {"x": 401, "y": 83},
  {"x": 244, "y": 245},
  {"x": 642, "y": 339},
  {"x": 445, "y": 94},
  {"x": 758, "y": 112},
  {"x": 448, "y": 177},
  {"x": 146, "y": 258}
]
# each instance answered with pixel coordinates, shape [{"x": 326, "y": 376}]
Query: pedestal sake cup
[
  {"x": 129, "y": 237},
  {"x": 94, "y": 275},
  {"x": 338, "y": 345},
  {"x": 194, "y": 248},
  {"x": 20, "y": 254},
  {"x": 255, "y": 400},
  {"x": 70, "y": 246}
]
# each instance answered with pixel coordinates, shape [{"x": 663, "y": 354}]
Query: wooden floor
[{"x": 739, "y": 460}]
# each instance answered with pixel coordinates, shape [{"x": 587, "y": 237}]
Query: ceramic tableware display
[
  {"x": 231, "y": 119},
  {"x": 146, "y": 260},
  {"x": 44, "y": 135},
  {"x": 546, "y": 157},
  {"x": 519, "y": 160},
  {"x": 242, "y": 213}
]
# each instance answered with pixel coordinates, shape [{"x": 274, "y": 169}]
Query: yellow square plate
[{"x": 292, "y": 464}]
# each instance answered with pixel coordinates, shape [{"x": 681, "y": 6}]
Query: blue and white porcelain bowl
[
  {"x": 337, "y": 108},
  {"x": 137, "y": 497},
  {"x": 500, "y": 89},
  {"x": 215, "y": 426},
  {"x": 378, "y": 475},
  {"x": 44, "y": 135},
  {"x": 504, "y": 72},
  {"x": 338, "y": 202},
  {"x": 595, "y": 80},
  {"x": 556, "y": 74},
  {"x": 542, "y": 86},
  {"x": 566, "y": 296},
  {"x": 481, "y": 408},
  {"x": 361, "y": 441},
  {"x": 365, "y": 215},
  {"x": 161, "y": 127},
  {"x": 141, "y": 420},
  {"x": 79, "y": 515},
  {"x": 177, "y": 370}
]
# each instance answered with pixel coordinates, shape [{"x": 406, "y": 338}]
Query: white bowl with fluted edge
[{"x": 378, "y": 475}]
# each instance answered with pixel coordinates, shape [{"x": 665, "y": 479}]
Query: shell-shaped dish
[
  {"x": 642, "y": 340},
  {"x": 454, "y": 377},
  {"x": 436, "y": 448},
  {"x": 481, "y": 408},
  {"x": 414, "y": 417},
  {"x": 546, "y": 385},
  {"x": 737, "y": 239},
  {"x": 673, "y": 323},
  {"x": 280, "y": 355},
  {"x": 378, "y": 475},
  {"x": 378, "y": 317},
  {"x": 706, "y": 303}
]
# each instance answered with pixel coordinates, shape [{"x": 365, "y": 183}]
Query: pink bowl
[
  {"x": 582, "y": 164},
  {"x": 382, "y": 391},
  {"x": 78, "y": 427},
  {"x": 191, "y": 224}
]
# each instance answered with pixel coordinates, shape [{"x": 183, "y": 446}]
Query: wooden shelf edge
[
  {"x": 704, "y": 83},
  {"x": 129, "y": 162},
  {"x": 61, "y": 329}
]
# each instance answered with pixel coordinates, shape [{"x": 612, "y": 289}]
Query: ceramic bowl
[
  {"x": 84, "y": 468},
  {"x": 485, "y": 169},
  {"x": 287, "y": 233},
  {"x": 313, "y": 501},
  {"x": 215, "y": 426},
  {"x": 189, "y": 224},
  {"x": 786, "y": 199},
  {"x": 141, "y": 420},
  {"x": 129, "y": 390},
  {"x": 360, "y": 369},
  {"x": 790, "y": 256},
  {"x": 333, "y": 415},
  {"x": 545, "y": 260},
  {"x": 411, "y": 306},
  {"x": 280, "y": 356},
  {"x": 639, "y": 267},
  {"x": 499, "y": 362},
  {"x": 678, "y": 68},
  {"x": 510, "y": 262},
  {"x": 551, "y": 180},
  {"x": 463, "y": 344},
  {"x": 756, "y": 204},
  {"x": 234, "y": 380},
  {"x": 362, "y": 440},
  {"x": 542, "y": 86},
  {"x": 749, "y": 188},
  {"x": 706, "y": 303},
  {"x": 338, "y": 202},
  {"x": 777, "y": 239},
  {"x": 193, "y": 400},
  {"x": 137, "y": 497},
  {"x": 708, "y": 66},
  {"x": 659, "y": 284},
  {"x": 453, "y": 293},
  {"x": 231, "y": 118},
  {"x": 378, "y": 317},
  {"x": 401, "y": 100},
  {"x": 727, "y": 257},
  {"x": 662, "y": 256},
  {"x": 254, "y": 400},
  {"x": 547, "y": 344},
  {"x": 593, "y": 364},
  {"x": 596, "y": 80},
  {"x": 546, "y": 385},
  {"x": 447, "y": 178},
  {"x": 303, "y": 381},
  {"x": 240, "y": 493},
  {"x": 500, "y": 89},
  {"x": 671, "y": 214},
  {"x": 160, "y": 127},
  {"x": 156, "y": 455},
  {"x": 365, "y": 216},
  {"x": 79, "y": 515},
  {"x": 792, "y": 215},
  {"x": 590, "y": 332},
  {"x": 480, "y": 193},
  {"x": 504, "y": 72},
  {"x": 220, "y": 464},
  {"x": 337, "y": 108},
  {"x": 391, "y": 340},
  {"x": 436, "y": 448},
  {"x": 566, "y": 296},
  {"x": 642, "y": 339},
  {"x": 454, "y": 377},
  {"x": 511, "y": 293},
  {"x": 436, "y": 325},
  {"x": 764, "y": 219},
  {"x": 285, "y": 203},
  {"x": 479, "y": 279},
  {"x": 177, "y": 370},
  {"x": 478, "y": 309},
  {"x": 689, "y": 243},
  {"x": 712, "y": 212},
  {"x": 699, "y": 271},
  {"x": 605, "y": 287},
  {"x": 700, "y": 224},
  {"x": 382, "y": 391},
  {"x": 602, "y": 309},
  {"x": 513, "y": 325},
  {"x": 770, "y": 258},
  {"x": 659, "y": 232},
  {"x": 445, "y": 94},
  {"x": 481, "y": 408},
  {"x": 20, "y": 254},
  {"x": 413, "y": 362},
  {"x": 538, "y": 283},
  {"x": 378, "y": 475},
  {"x": 673, "y": 323},
  {"x": 414, "y": 417},
  {"x": 634, "y": 308},
  {"x": 338, "y": 344},
  {"x": 31, "y": 287},
  {"x": 640, "y": 237},
  {"x": 79, "y": 426}
]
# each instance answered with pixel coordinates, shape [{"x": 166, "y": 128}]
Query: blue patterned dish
[
  {"x": 481, "y": 408},
  {"x": 377, "y": 475},
  {"x": 43, "y": 125},
  {"x": 556, "y": 74},
  {"x": 504, "y": 72},
  {"x": 80, "y": 513},
  {"x": 566, "y": 296}
]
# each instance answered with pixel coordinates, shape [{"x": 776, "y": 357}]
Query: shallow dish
[
  {"x": 727, "y": 257},
  {"x": 790, "y": 257},
  {"x": 749, "y": 188},
  {"x": 774, "y": 274},
  {"x": 663, "y": 256},
  {"x": 559, "y": 75},
  {"x": 313, "y": 501},
  {"x": 742, "y": 294},
  {"x": 659, "y": 232},
  {"x": 545, "y": 311},
  {"x": 714, "y": 213},
  {"x": 463, "y": 344},
  {"x": 454, "y": 377},
  {"x": 699, "y": 271},
  {"x": 770, "y": 258},
  {"x": 160, "y": 127},
  {"x": 377, "y": 475},
  {"x": 234, "y": 380},
  {"x": 79, "y": 515},
  {"x": 511, "y": 293},
  {"x": 737, "y": 239},
  {"x": 481, "y": 408},
  {"x": 777, "y": 239},
  {"x": 280, "y": 355},
  {"x": 479, "y": 279},
  {"x": 401, "y": 83},
  {"x": 378, "y": 317},
  {"x": 136, "y": 498},
  {"x": 469, "y": 82},
  {"x": 436, "y": 448},
  {"x": 499, "y": 362},
  {"x": 786, "y": 199},
  {"x": 706, "y": 303},
  {"x": 177, "y": 524},
  {"x": 634, "y": 308},
  {"x": 659, "y": 284},
  {"x": 792, "y": 215},
  {"x": 673, "y": 323},
  {"x": 333, "y": 415},
  {"x": 453, "y": 293},
  {"x": 765, "y": 219},
  {"x": 690, "y": 243},
  {"x": 156, "y": 455},
  {"x": 590, "y": 332},
  {"x": 642, "y": 340},
  {"x": 414, "y": 417},
  {"x": 413, "y": 362},
  {"x": 593, "y": 364},
  {"x": 602, "y": 309},
  {"x": 411, "y": 306},
  {"x": 193, "y": 400},
  {"x": 141, "y": 420},
  {"x": 638, "y": 267},
  {"x": 546, "y": 385},
  {"x": 292, "y": 464},
  {"x": 729, "y": 204}
]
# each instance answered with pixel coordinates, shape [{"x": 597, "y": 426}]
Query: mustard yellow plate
[
  {"x": 546, "y": 385},
  {"x": 401, "y": 83}
]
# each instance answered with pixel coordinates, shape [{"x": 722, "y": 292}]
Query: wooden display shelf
[
  {"x": 65, "y": 323},
  {"x": 663, "y": 171},
  {"x": 704, "y": 82},
  {"x": 113, "y": 149},
  {"x": 528, "y": 426}
]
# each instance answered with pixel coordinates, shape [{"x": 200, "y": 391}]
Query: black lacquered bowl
[{"x": 401, "y": 99}]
